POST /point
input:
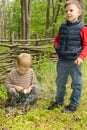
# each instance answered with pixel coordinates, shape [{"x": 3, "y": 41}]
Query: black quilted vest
[{"x": 70, "y": 44}]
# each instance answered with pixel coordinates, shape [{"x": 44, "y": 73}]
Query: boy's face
[
  {"x": 72, "y": 13},
  {"x": 22, "y": 69}
]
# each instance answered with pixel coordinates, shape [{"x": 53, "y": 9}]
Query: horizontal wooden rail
[
  {"x": 27, "y": 40},
  {"x": 9, "y": 52}
]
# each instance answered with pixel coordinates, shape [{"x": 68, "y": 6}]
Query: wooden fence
[{"x": 9, "y": 49}]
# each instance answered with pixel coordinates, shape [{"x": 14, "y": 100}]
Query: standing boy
[{"x": 71, "y": 47}]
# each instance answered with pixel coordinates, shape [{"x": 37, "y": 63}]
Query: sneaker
[
  {"x": 69, "y": 109},
  {"x": 54, "y": 105}
]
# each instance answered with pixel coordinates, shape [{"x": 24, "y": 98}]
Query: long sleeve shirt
[
  {"x": 15, "y": 79},
  {"x": 83, "y": 34}
]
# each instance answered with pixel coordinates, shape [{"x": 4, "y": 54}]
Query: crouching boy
[{"x": 21, "y": 83}]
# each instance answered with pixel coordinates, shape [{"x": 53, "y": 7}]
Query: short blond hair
[
  {"x": 74, "y": 2},
  {"x": 24, "y": 59}
]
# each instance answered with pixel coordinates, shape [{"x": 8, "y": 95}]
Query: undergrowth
[{"x": 39, "y": 118}]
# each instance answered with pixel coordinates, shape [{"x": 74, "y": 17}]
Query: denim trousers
[{"x": 64, "y": 69}]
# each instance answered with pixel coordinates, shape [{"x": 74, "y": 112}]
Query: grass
[{"x": 39, "y": 118}]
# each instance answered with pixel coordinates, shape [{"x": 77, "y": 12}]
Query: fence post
[
  {"x": 36, "y": 37},
  {"x": 12, "y": 37}
]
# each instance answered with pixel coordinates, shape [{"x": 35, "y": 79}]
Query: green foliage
[
  {"x": 38, "y": 18},
  {"x": 2, "y": 92},
  {"x": 43, "y": 67},
  {"x": 85, "y": 12},
  {"x": 13, "y": 18}
]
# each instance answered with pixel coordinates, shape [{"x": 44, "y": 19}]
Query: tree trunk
[
  {"x": 2, "y": 19},
  {"x": 26, "y": 6},
  {"x": 56, "y": 9},
  {"x": 23, "y": 18},
  {"x": 47, "y": 18}
]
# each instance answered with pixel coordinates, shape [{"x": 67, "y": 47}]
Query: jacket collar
[{"x": 71, "y": 24}]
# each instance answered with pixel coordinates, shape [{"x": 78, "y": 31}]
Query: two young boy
[{"x": 71, "y": 47}]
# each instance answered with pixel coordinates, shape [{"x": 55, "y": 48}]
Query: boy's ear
[{"x": 80, "y": 12}]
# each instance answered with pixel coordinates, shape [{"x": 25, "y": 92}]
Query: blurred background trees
[{"x": 26, "y": 18}]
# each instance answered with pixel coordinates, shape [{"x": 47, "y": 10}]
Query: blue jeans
[{"x": 64, "y": 69}]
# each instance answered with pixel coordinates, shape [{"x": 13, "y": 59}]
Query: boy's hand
[
  {"x": 28, "y": 90},
  {"x": 78, "y": 61},
  {"x": 19, "y": 89}
]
